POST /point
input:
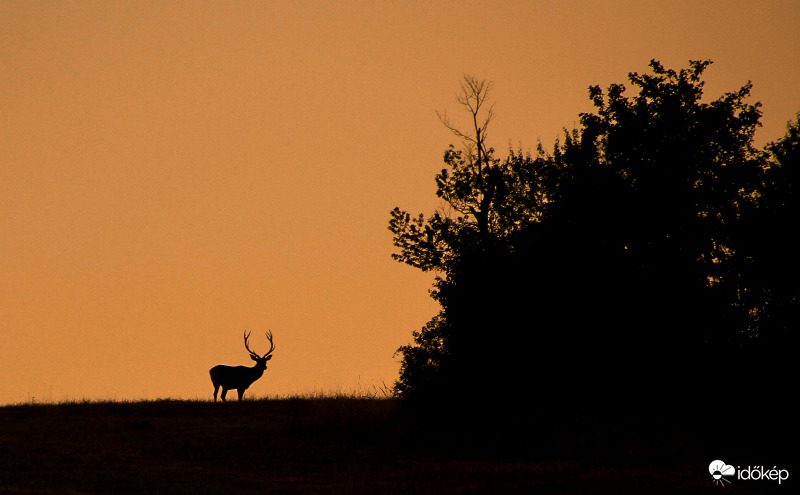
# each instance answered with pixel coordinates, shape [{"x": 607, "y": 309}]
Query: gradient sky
[{"x": 174, "y": 173}]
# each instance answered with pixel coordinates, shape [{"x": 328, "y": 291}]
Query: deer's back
[{"x": 230, "y": 376}]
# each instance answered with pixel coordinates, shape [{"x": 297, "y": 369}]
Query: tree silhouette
[
  {"x": 768, "y": 260},
  {"x": 624, "y": 265}
]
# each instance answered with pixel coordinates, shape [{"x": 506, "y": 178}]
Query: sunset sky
[{"x": 173, "y": 173}]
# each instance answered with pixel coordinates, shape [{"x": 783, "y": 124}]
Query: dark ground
[{"x": 366, "y": 446}]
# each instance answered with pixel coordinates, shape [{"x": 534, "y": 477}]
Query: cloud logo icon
[{"x": 718, "y": 469}]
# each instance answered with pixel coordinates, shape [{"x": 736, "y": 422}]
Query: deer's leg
[
  {"x": 241, "y": 392},
  {"x": 216, "y": 389},
  {"x": 224, "y": 392}
]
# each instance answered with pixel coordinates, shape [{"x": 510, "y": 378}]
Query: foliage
[{"x": 638, "y": 242}]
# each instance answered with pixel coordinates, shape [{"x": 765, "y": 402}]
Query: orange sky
[{"x": 173, "y": 173}]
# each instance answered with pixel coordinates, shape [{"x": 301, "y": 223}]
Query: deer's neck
[{"x": 256, "y": 372}]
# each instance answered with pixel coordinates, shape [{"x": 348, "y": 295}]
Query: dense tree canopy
[{"x": 651, "y": 245}]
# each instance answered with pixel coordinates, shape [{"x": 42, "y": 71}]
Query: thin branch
[{"x": 474, "y": 94}]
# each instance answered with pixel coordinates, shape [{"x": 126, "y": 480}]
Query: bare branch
[
  {"x": 473, "y": 96},
  {"x": 452, "y": 128}
]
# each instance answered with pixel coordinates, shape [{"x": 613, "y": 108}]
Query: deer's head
[{"x": 261, "y": 361}]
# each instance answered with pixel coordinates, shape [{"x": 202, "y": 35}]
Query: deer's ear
[
  {"x": 269, "y": 357},
  {"x": 253, "y": 357}
]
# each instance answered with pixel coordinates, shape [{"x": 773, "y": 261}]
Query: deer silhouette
[{"x": 240, "y": 377}]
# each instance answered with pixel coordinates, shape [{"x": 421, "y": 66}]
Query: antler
[
  {"x": 247, "y": 345},
  {"x": 271, "y": 343}
]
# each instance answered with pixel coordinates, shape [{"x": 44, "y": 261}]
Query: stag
[{"x": 240, "y": 377}]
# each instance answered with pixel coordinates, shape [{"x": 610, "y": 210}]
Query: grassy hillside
[{"x": 337, "y": 445}]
